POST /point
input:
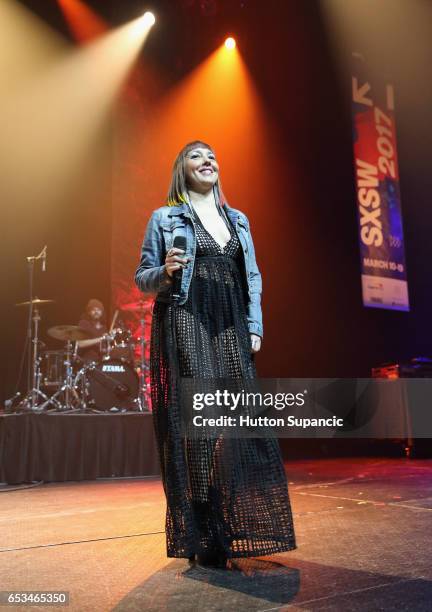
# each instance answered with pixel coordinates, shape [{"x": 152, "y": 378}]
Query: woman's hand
[
  {"x": 174, "y": 260},
  {"x": 256, "y": 343}
]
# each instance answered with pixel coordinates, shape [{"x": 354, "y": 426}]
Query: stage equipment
[
  {"x": 230, "y": 43},
  {"x": 35, "y": 302},
  {"x": 117, "y": 344},
  {"x": 149, "y": 19},
  {"x": 34, "y": 393},
  {"x": 51, "y": 365},
  {"x": 110, "y": 385},
  {"x": 116, "y": 383},
  {"x": 67, "y": 333},
  {"x": 66, "y": 398},
  {"x": 417, "y": 367},
  {"x": 142, "y": 308}
]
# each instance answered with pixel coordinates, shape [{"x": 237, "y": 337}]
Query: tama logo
[{"x": 113, "y": 368}]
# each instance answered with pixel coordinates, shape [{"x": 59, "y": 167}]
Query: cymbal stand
[{"x": 30, "y": 401}]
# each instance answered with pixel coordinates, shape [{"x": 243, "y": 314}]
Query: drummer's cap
[{"x": 94, "y": 303}]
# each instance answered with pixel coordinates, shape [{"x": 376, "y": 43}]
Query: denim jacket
[{"x": 164, "y": 225}]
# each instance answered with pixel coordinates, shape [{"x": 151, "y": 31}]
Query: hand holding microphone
[{"x": 175, "y": 261}]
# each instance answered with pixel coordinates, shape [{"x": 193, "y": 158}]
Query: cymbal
[
  {"x": 35, "y": 301},
  {"x": 67, "y": 332},
  {"x": 140, "y": 305}
]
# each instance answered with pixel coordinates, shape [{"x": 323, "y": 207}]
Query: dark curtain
[{"x": 58, "y": 447}]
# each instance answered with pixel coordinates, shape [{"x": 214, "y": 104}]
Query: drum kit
[{"x": 61, "y": 381}]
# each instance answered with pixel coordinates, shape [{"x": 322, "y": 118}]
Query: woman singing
[{"x": 226, "y": 497}]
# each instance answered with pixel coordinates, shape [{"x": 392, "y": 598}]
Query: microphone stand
[{"x": 33, "y": 361}]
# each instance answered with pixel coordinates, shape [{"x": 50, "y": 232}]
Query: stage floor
[{"x": 363, "y": 526}]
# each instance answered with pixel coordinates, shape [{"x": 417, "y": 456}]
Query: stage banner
[{"x": 382, "y": 252}]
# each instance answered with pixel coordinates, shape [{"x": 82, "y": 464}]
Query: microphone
[
  {"x": 44, "y": 256},
  {"x": 179, "y": 243}
]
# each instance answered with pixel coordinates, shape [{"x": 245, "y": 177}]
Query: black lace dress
[{"x": 223, "y": 494}]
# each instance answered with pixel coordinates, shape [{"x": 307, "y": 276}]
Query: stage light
[
  {"x": 230, "y": 43},
  {"x": 149, "y": 19},
  {"x": 142, "y": 25}
]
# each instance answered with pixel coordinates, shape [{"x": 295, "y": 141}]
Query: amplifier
[{"x": 418, "y": 367}]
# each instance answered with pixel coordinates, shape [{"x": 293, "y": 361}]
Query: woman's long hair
[{"x": 178, "y": 189}]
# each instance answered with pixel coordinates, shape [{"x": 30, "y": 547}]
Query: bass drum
[{"x": 111, "y": 384}]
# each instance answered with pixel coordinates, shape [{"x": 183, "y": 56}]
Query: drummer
[{"x": 93, "y": 322}]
